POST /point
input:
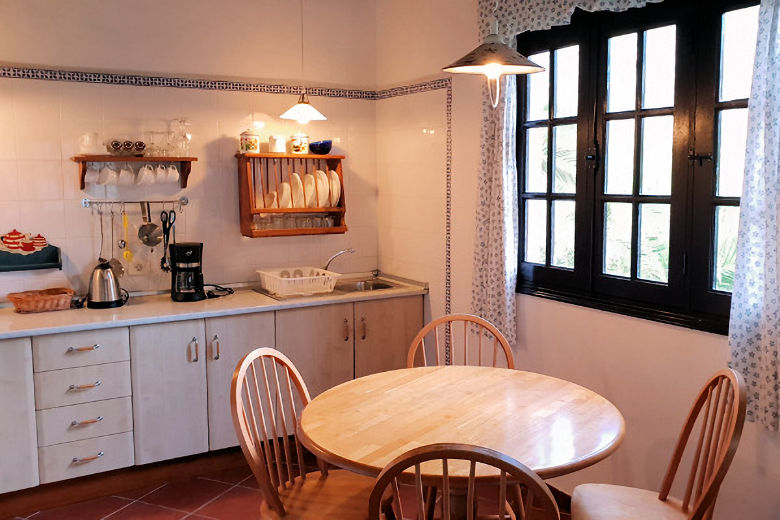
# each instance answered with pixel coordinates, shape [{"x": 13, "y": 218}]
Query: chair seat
[
  {"x": 608, "y": 502},
  {"x": 342, "y": 494}
]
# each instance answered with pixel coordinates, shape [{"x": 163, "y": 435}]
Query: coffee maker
[{"x": 187, "y": 272}]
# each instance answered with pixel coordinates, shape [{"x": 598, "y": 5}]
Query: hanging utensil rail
[{"x": 88, "y": 203}]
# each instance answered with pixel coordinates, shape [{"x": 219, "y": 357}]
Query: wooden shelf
[
  {"x": 185, "y": 164},
  {"x": 261, "y": 173}
]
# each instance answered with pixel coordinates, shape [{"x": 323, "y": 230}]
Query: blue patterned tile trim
[{"x": 137, "y": 80}]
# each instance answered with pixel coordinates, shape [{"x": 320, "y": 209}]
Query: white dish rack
[{"x": 297, "y": 281}]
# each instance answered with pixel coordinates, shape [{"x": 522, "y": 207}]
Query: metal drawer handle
[
  {"x": 365, "y": 327},
  {"x": 195, "y": 341},
  {"x": 215, "y": 341},
  {"x": 75, "y": 424},
  {"x": 84, "y": 349},
  {"x": 346, "y": 329},
  {"x": 82, "y": 460},
  {"x": 74, "y": 388}
]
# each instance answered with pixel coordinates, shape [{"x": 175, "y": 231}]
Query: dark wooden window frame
[{"x": 688, "y": 299}]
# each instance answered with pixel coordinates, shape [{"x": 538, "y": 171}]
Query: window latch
[{"x": 700, "y": 158}]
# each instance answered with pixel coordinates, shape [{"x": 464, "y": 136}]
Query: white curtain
[
  {"x": 495, "y": 251},
  {"x": 754, "y": 330}
]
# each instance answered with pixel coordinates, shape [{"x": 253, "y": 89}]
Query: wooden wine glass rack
[{"x": 260, "y": 174}]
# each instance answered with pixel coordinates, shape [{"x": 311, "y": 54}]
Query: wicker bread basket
[{"x": 55, "y": 299}]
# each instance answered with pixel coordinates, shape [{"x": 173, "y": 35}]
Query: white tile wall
[{"x": 40, "y": 122}]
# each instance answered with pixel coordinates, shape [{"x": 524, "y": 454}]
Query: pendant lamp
[
  {"x": 493, "y": 58},
  {"x": 303, "y": 111}
]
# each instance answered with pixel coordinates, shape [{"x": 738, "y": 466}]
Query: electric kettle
[{"x": 104, "y": 291}]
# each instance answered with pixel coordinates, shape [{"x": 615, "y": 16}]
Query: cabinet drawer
[
  {"x": 74, "y": 459},
  {"x": 84, "y": 421},
  {"x": 81, "y": 385},
  {"x": 80, "y": 349}
]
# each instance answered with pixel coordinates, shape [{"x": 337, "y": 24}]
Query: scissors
[{"x": 168, "y": 220}]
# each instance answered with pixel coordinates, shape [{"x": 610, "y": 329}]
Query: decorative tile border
[{"x": 136, "y": 80}]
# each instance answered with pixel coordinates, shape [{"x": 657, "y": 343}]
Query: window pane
[
  {"x": 539, "y": 88},
  {"x": 656, "y": 170},
  {"x": 567, "y": 70},
  {"x": 536, "y": 231},
  {"x": 565, "y": 159},
  {"x": 536, "y": 160},
  {"x": 658, "y": 81},
  {"x": 738, "y": 48},
  {"x": 726, "y": 227},
  {"x": 563, "y": 233},
  {"x": 621, "y": 73},
  {"x": 620, "y": 157},
  {"x": 732, "y": 141},
  {"x": 653, "y": 242},
  {"x": 617, "y": 238}
]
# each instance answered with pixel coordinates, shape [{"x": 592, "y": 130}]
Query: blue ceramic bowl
[{"x": 320, "y": 147}]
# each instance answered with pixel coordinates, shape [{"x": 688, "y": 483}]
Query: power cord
[{"x": 217, "y": 291}]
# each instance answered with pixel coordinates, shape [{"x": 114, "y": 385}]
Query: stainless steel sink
[{"x": 362, "y": 285}]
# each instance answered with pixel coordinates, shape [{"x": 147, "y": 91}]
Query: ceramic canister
[
  {"x": 250, "y": 142},
  {"x": 299, "y": 143}
]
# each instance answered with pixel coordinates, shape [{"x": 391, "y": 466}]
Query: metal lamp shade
[{"x": 493, "y": 58}]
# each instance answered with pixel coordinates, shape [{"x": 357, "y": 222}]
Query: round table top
[{"x": 553, "y": 426}]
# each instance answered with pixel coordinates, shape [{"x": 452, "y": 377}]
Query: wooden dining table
[{"x": 553, "y": 426}]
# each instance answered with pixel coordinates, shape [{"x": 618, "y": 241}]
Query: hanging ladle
[{"x": 149, "y": 233}]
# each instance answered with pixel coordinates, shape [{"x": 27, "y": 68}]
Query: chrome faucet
[{"x": 348, "y": 250}]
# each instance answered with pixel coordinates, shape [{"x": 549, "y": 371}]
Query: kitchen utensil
[
  {"x": 186, "y": 272},
  {"x": 104, "y": 291},
  {"x": 126, "y": 176},
  {"x": 115, "y": 264},
  {"x": 335, "y": 188},
  {"x": 270, "y": 199},
  {"x": 108, "y": 175},
  {"x": 299, "y": 143},
  {"x": 167, "y": 219},
  {"x": 126, "y": 254},
  {"x": 149, "y": 233},
  {"x": 276, "y": 144},
  {"x": 145, "y": 175}
]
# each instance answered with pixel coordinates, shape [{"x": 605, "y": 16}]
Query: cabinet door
[
  {"x": 384, "y": 329},
  {"x": 230, "y": 338},
  {"x": 18, "y": 440},
  {"x": 168, "y": 366},
  {"x": 318, "y": 340}
]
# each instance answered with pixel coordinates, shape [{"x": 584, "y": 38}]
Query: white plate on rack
[
  {"x": 335, "y": 188},
  {"x": 309, "y": 190},
  {"x": 297, "y": 191},
  {"x": 270, "y": 199},
  {"x": 323, "y": 189},
  {"x": 285, "y": 198}
]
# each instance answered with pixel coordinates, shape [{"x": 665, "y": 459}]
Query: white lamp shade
[
  {"x": 303, "y": 112},
  {"x": 493, "y": 58}
]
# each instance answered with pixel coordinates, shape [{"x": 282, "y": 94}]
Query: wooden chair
[
  {"x": 263, "y": 395},
  {"x": 519, "y": 493},
  {"x": 719, "y": 414},
  {"x": 462, "y": 351}
]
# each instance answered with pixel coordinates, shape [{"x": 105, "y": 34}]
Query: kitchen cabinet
[
  {"x": 384, "y": 329},
  {"x": 319, "y": 341},
  {"x": 18, "y": 440},
  {"x": 168, "y": 367},
  {"x": 230, "y": 338}
]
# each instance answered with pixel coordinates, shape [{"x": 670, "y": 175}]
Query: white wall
[
  {"x": 651, "y": 371},
  {"x": 41, "y": 120}
]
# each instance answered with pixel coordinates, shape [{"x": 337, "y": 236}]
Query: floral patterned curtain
[
  {"x": 754, "y": 330},
  {"x": 495, "y": 251}
]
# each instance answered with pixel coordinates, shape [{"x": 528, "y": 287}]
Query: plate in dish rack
[
  {"x": 323, "y": 189},
  {"x": 335, "y": 188}
]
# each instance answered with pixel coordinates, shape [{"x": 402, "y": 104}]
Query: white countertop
[{"x": 160, "y": 308}]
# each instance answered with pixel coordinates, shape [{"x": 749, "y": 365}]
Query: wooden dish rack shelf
[{"x": 262, "y": 173}]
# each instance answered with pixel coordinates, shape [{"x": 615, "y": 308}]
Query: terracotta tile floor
[{"x": 226, "y": 495}]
